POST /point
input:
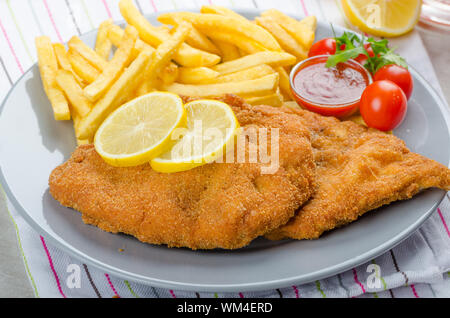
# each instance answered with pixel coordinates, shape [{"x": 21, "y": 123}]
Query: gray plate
[{"x": 32, "y": 143}]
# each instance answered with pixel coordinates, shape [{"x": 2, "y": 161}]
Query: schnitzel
[
  {"x": 218, "y": 205},
  {"x": 348, "y": 171},
  {"x": 357, "y": 170}
]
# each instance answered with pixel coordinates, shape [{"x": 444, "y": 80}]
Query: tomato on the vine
[
  {"x": 397, "y": 74},
  {"x": 383, "y": 105}
]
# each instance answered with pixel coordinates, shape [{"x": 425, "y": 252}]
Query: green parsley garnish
[{"x": 354, "y": 46}]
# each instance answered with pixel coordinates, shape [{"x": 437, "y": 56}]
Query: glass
[{"x": 435, "y": 14}]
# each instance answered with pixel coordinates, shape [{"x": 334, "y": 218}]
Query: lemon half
[
  {"x": 383, "y": 17},
  {"x": 211, "y": 127},
  {"x": 140, "y": 130}
]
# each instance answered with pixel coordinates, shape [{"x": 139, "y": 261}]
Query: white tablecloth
[{"x": 419, "y": 267}]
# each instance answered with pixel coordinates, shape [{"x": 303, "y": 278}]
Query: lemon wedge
[
  {"x": 140, "y": 130},
  {"x": 383, "y": 17},
  {"x": 211, "y": 127}
]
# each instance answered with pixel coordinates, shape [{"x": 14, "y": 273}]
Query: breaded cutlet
[
  {"x": 357, "y": 170},
  {"x": 218, "y": 205}
]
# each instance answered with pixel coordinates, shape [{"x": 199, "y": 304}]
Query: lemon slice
[
  {"x": 140, "y": 130},
  {"x": 211, "y": 127},
  {"x": 383, "y": 17}
]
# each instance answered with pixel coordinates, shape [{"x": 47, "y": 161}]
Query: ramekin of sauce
[{"x": 330, "y": 91}]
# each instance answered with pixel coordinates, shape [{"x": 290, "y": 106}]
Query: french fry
[
  {"x": 302, "y": 31},
  {"x": 357, "y": 118},
  {"x": 119, "y": 92},
  {"x": 244, "y": 75},
  {"x": 115, "y": 34},
  {"x": 273, "y": 59},
  {"x": 196, "y": 75},
  {"x": 195, "y": 38},
  {"x": 74, "y": 92},
  {"x": 275, "y": 100},
  {"x": 87, "y": 53},
  {"x": 146, "y": 87},
  {"x": 82, "y": 67},
  {"x": 186, "y": 55},
  {"x": 83, "y": 142},
  {"x": 291, "y": 104},
  {"x": 228, "y": 51},
  {"x": 222, "y": 11},
  {"x": 287, "y": 42},
  {"x": 59, "y": 103},
  {"x": 48, "y": 67},
  {"x": 120, "y": 60},
  {"x": 164, "y": 28},
  {"x": 192, "y": 57},
  {"x": 147, "y": 32},
  {"x": 247, "y": 45},
  {"x": 103, "y": 44},
  {"x": 141, "y": 46},
  {"x": 285, "y": 85},
  {"x": 46, "y": 55},
  {"x": 309, "y": 24},
  {"x": 64, "y": 62},
  {"x": 169, "y": 74},
  {"x": 200, "y": 41},
  {"x": 163, "y": 54},
  {"x": 76, "y": 123},
  {"x": 258, "y": 87},
  {"x": 211, "y": 23},
  {"x": 143, "y": 88}
]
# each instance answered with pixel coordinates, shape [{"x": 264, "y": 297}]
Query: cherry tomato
[
  {"x": 397, "y": 74},
  {"x": 326, "y": 46},
  {"x": 383, "y": 105},
  {"x": 362, "y": 58}
]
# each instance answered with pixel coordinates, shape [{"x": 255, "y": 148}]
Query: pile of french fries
[{"x": 206, "y": 54}]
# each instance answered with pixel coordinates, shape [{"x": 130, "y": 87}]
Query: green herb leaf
[
  {"x": 378, "y": 47},
  {"x": 347, "y": 38},
  {"x": 354, "y": 46},
  {"x": 391, "y": 58},
  {"x": 344, "y": 55}
]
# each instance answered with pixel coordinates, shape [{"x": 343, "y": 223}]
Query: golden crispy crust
[
  {"x": 219, "y": 205},
  {"x": 358, "y": 170}
]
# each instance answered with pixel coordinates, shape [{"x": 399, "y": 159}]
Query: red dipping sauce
[{"x": 333, "y": 91}]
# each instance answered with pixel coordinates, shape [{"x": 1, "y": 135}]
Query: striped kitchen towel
[{"x": 418, "y": 267}]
